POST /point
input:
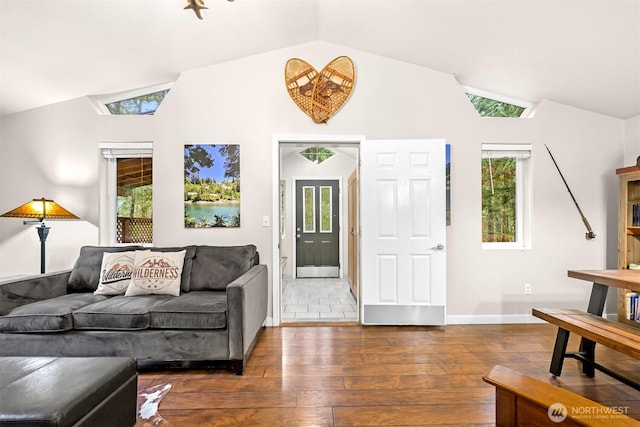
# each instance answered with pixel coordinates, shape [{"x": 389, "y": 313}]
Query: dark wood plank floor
[{"x": 380, "y": 376}]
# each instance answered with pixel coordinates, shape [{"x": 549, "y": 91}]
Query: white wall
[
  {"x": 52, "y": 152},
  {"x": 631, "y": 140}
]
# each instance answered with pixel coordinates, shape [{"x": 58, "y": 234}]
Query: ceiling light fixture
[{"x": 197, "y": 6}]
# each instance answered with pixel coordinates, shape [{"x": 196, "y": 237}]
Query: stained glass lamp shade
[{"x": 39, "y": 210}]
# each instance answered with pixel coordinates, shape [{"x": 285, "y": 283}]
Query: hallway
[{"x": 322, "y": 300}]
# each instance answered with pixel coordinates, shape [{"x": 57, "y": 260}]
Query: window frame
[
  {"x": 523, "y": 153},
  {"x": 528, "y": 106},
  {"x": 111, "y": 151},
  {"x": 100, "y": 101}
]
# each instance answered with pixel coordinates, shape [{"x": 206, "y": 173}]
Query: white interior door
[{"x": 403, "y": 232}]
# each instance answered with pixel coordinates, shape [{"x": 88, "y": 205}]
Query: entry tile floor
[{"x": 318, "y": 299}]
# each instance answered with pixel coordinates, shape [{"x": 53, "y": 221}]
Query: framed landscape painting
[{"x": 211, "y": 185}]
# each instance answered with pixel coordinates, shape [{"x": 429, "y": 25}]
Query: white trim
[
  {"x": 276, "y": 140},
  {"x": 121, "y": 149},
  {"x": 500, "y": 319},
  {"x": 492, "y": 319},
  {"x": 506, "y": 147},
  {"x": 276, "y": 269},
  {"x": 524, "y": 192},
  {"x": 112, "y": 201},
  {"x": 111, "y": 151},
  {"x": 500, "y": 151},
  {"x": 611, "y": 316}
]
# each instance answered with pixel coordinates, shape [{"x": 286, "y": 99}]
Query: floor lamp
[{"x": 40, "y": 209}]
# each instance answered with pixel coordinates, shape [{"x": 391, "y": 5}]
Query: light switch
[{"x": 265, "y": 221}]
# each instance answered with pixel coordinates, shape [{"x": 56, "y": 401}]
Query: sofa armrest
[
  {"x": 247, "y": 309},
  {"x": 24, "y": 290}
]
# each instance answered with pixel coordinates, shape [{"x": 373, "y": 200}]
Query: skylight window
[
  {"x": 493, "y": 105},
  {"x": 143, "y": 104},
  {"x": 317, "y": 155},
  {"x": 138, "y": 102}
]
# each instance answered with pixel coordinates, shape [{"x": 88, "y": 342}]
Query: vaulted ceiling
[{"x": 582, "y": 53}]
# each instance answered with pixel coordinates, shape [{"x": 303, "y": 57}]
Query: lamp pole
[{"x": 43, "y": 232}]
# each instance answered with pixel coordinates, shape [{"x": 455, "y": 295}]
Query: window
[
  {"x": 317, "y": 155},
  {"x": 506, "y": 196},
  {"x": 143, "y": 101},
  {"x": 494, "y": 105},
  {"x": 130, "y": 192},
  {"x": 143, "y": 104},
  {"x": 326, "y": 195},
  {"x": 309, "y": 209}
]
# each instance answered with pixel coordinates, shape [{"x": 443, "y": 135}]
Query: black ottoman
[{"x": 68, "y": 391}]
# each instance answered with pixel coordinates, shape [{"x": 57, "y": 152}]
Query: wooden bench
[
  {"x": 523, "y": 400},
  {"x": 593, "y": 329}
]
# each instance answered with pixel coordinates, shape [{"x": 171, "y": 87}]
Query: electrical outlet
[{"x": 527, "y": 288}]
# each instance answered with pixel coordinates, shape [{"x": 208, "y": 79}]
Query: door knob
[
  {"x": 438, "y": 247},
  {"x": 297, "y": 236}
]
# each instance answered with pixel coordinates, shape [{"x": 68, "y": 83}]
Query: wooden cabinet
[{"x": 628, "y": 233}]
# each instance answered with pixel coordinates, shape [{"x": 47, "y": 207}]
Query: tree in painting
[{"x": 211, "y": 186}]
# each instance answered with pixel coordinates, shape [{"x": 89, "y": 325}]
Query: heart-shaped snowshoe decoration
[{"x": 320, "y": 95}]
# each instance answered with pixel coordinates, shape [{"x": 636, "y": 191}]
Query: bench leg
[{"x": 558, "y": 352}]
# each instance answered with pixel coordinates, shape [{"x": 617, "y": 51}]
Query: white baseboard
[
  {"x": 502, "y": 319},
  {"x": 496, "y": 319},
  {"x": 492, "y": 319}
]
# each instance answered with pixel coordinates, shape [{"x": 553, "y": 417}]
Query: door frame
[
  {"x": 294, "y": 253},
  {"x": 276, "y": 273},
  {"x": 353, "y": 230}
]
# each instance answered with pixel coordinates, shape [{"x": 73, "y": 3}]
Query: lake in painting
[{"x": 205, "y": 213}]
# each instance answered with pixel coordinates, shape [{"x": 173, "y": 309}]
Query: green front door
[{"x": 317, "y": 228}]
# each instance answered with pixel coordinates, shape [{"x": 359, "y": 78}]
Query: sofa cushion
[
  {"x": 86, "y": 270},
  {"x": 214, "y": 267},
  {"x": 156, "y": 273},
  {"x": 115, "y": 273},
  {"x": 66, "y": 391},
  {"x": 193, "y": 310},
  {"x": 118, "y": 313},
  {"x": 51, "y": 315},
  {"x": 186, "y": 268}
]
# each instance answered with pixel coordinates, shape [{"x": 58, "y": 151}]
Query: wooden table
[
  {"x": 602, "y": 279},
  {"x": 627, "y": 279}
]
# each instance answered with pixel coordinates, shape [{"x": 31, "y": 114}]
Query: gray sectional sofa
[{"x": 215, "y": 320}]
